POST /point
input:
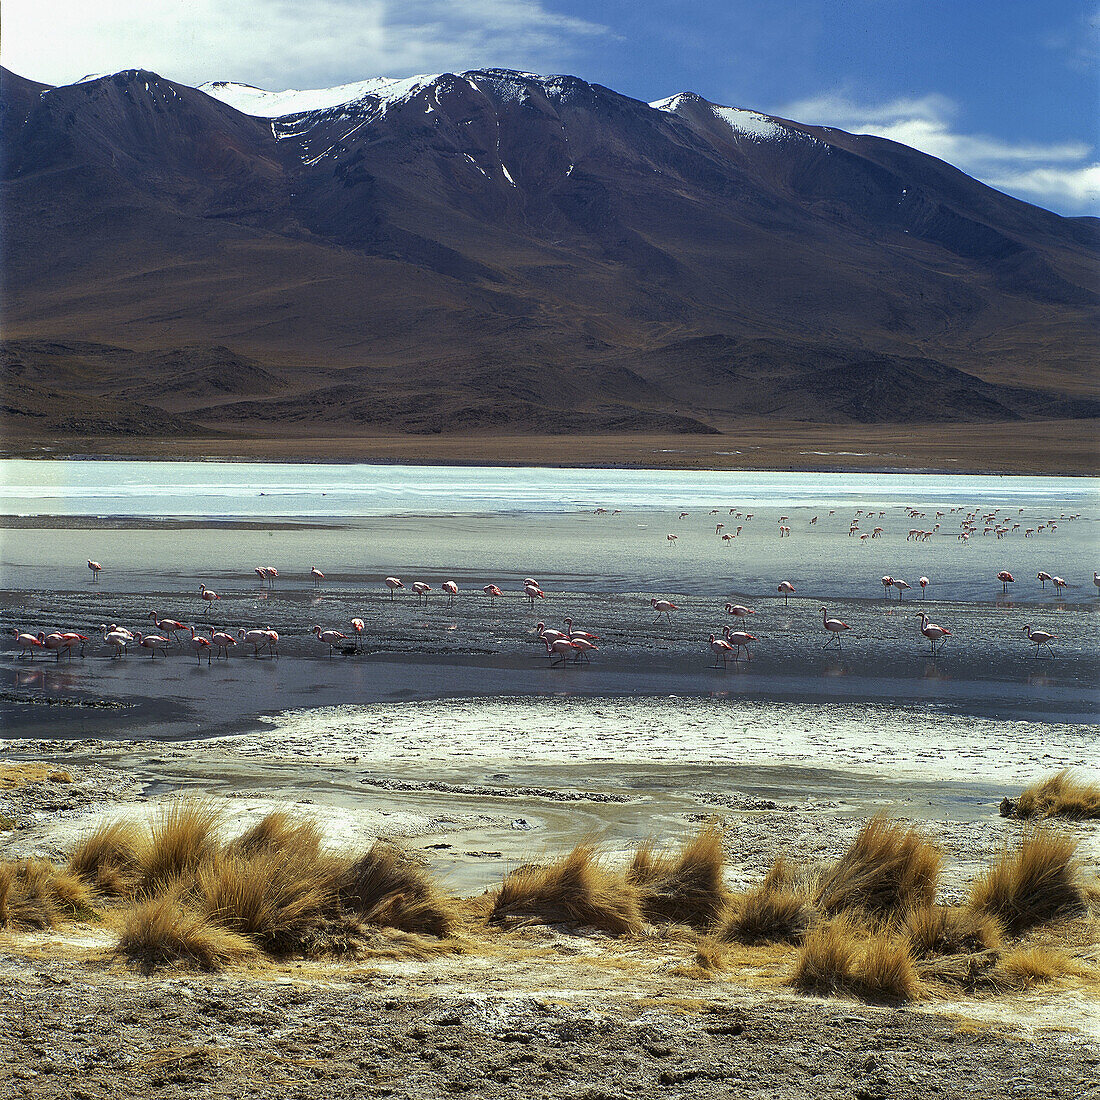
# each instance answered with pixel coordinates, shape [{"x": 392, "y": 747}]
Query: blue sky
[{"x": 1009, "y": 91}]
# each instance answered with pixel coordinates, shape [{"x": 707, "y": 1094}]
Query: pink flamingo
[
  {"x": 1042, "y": 577},
  {"x": 787, "y": 589},
  {"x": 721, "y": 649},
  {"x": 582, "y": 647},
  {"x": 120, "y": 639},
  {"x": 562, "y": 647},
  {"x": 886, "y": 582},
  {"x": 1006, "y": 578},
  {"x": 835, "y": 627},
  {"x": 208, "y": 594},
  {"x": 331, "y": 638},
  {"x": 316, "y": 574},
  {"x": 663, "y": 607},
  {"x": 29, "y": 644},
  {"x": 739, "y": 639},
  {"x": 152, "y": 642},
  {"x": 70, "y": 640},
  {"x": 1058, "y": 583},
  {"x": 95, "y": 567},
  {"x": 169, "y": 626},
  {"x": 924, "y": 582},
  {"x": 261, "y": 572},
  {"x": 1040, "y": 638},
  {"x": 258, "y": 639},
  {"x": 900, "y": 585},
  {"x": 532, "y": 591},
  {"x": 272, "y": 641},
  {"x": 53, "y": 643},
  {"x": 200, "y": 645},
  {"x": 393, "y": 584},
  {"x": 739, "y": 610},
  {"x": 421, "y": 589},
  {"x": 221, "y": 640},
  {"x": 549, "y": 635},
  {"x": 933, "y": 632},
  {"x": 573, "y": 635},
  {"x": 492, "y": 591},
  {"x": 451, "y": 589}
]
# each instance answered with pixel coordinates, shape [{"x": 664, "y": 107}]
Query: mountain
[{"x": 494, "y": 251}]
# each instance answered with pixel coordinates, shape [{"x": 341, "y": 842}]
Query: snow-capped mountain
[{"x": 494, "y": 249}]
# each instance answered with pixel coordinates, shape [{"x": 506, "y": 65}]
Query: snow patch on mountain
[
  {"x": 264, "y": 104},
  {"x": 744, "y": 123}
]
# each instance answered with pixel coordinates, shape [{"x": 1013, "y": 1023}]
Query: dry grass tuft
[
  {"x": 841, "y": 956},
  {"x": 576, "y": 889},
  {"x": 1036, "y": 883},
  {"x": 279, "y": 831},
  {"x": 109, "y": 859},
  {"x": 1026, "y": 966},
  {"x": 767, "y": 914},
  {"x": 887, "y": 870},
  {"x": 1060, "y": 795},
  {"x": 951, "y": 930},
  {"x": 387, "y": 888},
  {"x": 183, "y": 836},
  {"x": 36, "y": 894},
  {"x": 684, "y": 887},
  {"x": 163, "y": 932}
]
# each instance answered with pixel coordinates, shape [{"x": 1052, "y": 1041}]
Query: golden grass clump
[
  {"x": 887, "y": 870},
  {"x": 683, "y": 887},
  {"x": 576, "y": 889},
  {"x": 1027, "y": 966},
  {"x": 767, "y": 915},
  {"x": 183, "y": 836},
  {"x": 951, "y": 930},
  {"x": 1060, "y": 795},
  {"x": 36, "y": 894},
  {"x": 387, "y": 888},
  {"x": 1038, "y": 882},
  {"x": 162, "y": 931},
  {"x": 841, "y": 956},
  {"x": 279, "y": 831},
  {"x": 109, "y": 859},
  {"x": 276, "y": 900}
]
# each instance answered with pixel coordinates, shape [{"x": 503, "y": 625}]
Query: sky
[{"x": 1007, "y": 90}]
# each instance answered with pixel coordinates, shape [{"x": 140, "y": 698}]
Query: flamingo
[
  {"x": 1042, "y": 577},
  {"x": 316, "y": 574},
  {"x": 331, "y": 638},
  {"x": 835, "y": 626},
  {"x": 532, "y": 591},
  {"x": 739, "y": 639},
  {"x": 663, "y": 607},
  {"x": 1040, "y": 638},
  {"x": 152, "y": 642},
  {"x": 207, "y": 594},
  {"x": 451, "y": 589},
  {"x": 29, "y": 644},
  {"x": 221, "y": 640},
  {"x": 120, "y": 639},
  {"x": 739, "y": 610},
  {"x": 358, "y": 626},
  {"x": 272, "y": 641},
  {"x": 200, "y": 645},
  {"x": 1096, "y": 581},
  {"x": 548, "y": 635},
  {"x": 95, "y": 567},
  {"x": 258, "y": 639},
  {"x": 393, "y": 584},
  {"x": 169, "y": 626},
  {"x": 261, "y": 572},
  {"x": 721, "y": 649},
  {"x": 886, "y": 582},
  {"x": 900, "y": 586},
  {"x": 421, "y": 589},
  {"x": 671, "y": 538},
  {"x": 924, "y": 582},
  {"x": 1006, "y": 578},
  {"x": 573, "y": 635},
  {"x": 1059, "y": 583},
  {"x": 272, "y": 575},
  {"x": 53, "y": 643},
  {"x": 563, "y": 647},
  {"x": 933, "y": 632},
  {"x": 786, "y": 588},
  {"x": 492, "y": 591},
  {"x": 582, "y": 647},
  {"x": 71, "y": 639}
]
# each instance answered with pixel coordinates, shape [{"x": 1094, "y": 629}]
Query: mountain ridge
[{"x": 494, "y": 247}]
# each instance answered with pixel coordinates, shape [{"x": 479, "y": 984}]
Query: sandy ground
[
  {"x": 543, "y": 1010},
  {"x": 1062, "y": 447}
]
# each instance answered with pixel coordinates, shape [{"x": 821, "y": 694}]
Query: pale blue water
[{"x": 243, "y": 490}]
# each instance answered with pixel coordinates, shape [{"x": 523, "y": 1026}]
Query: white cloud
[
  {"x": 1060, "y": 175},
  {"x": 285, "y": 43}
]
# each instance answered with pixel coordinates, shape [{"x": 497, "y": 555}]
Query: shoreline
[{"x": 1052, "y": 448}]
